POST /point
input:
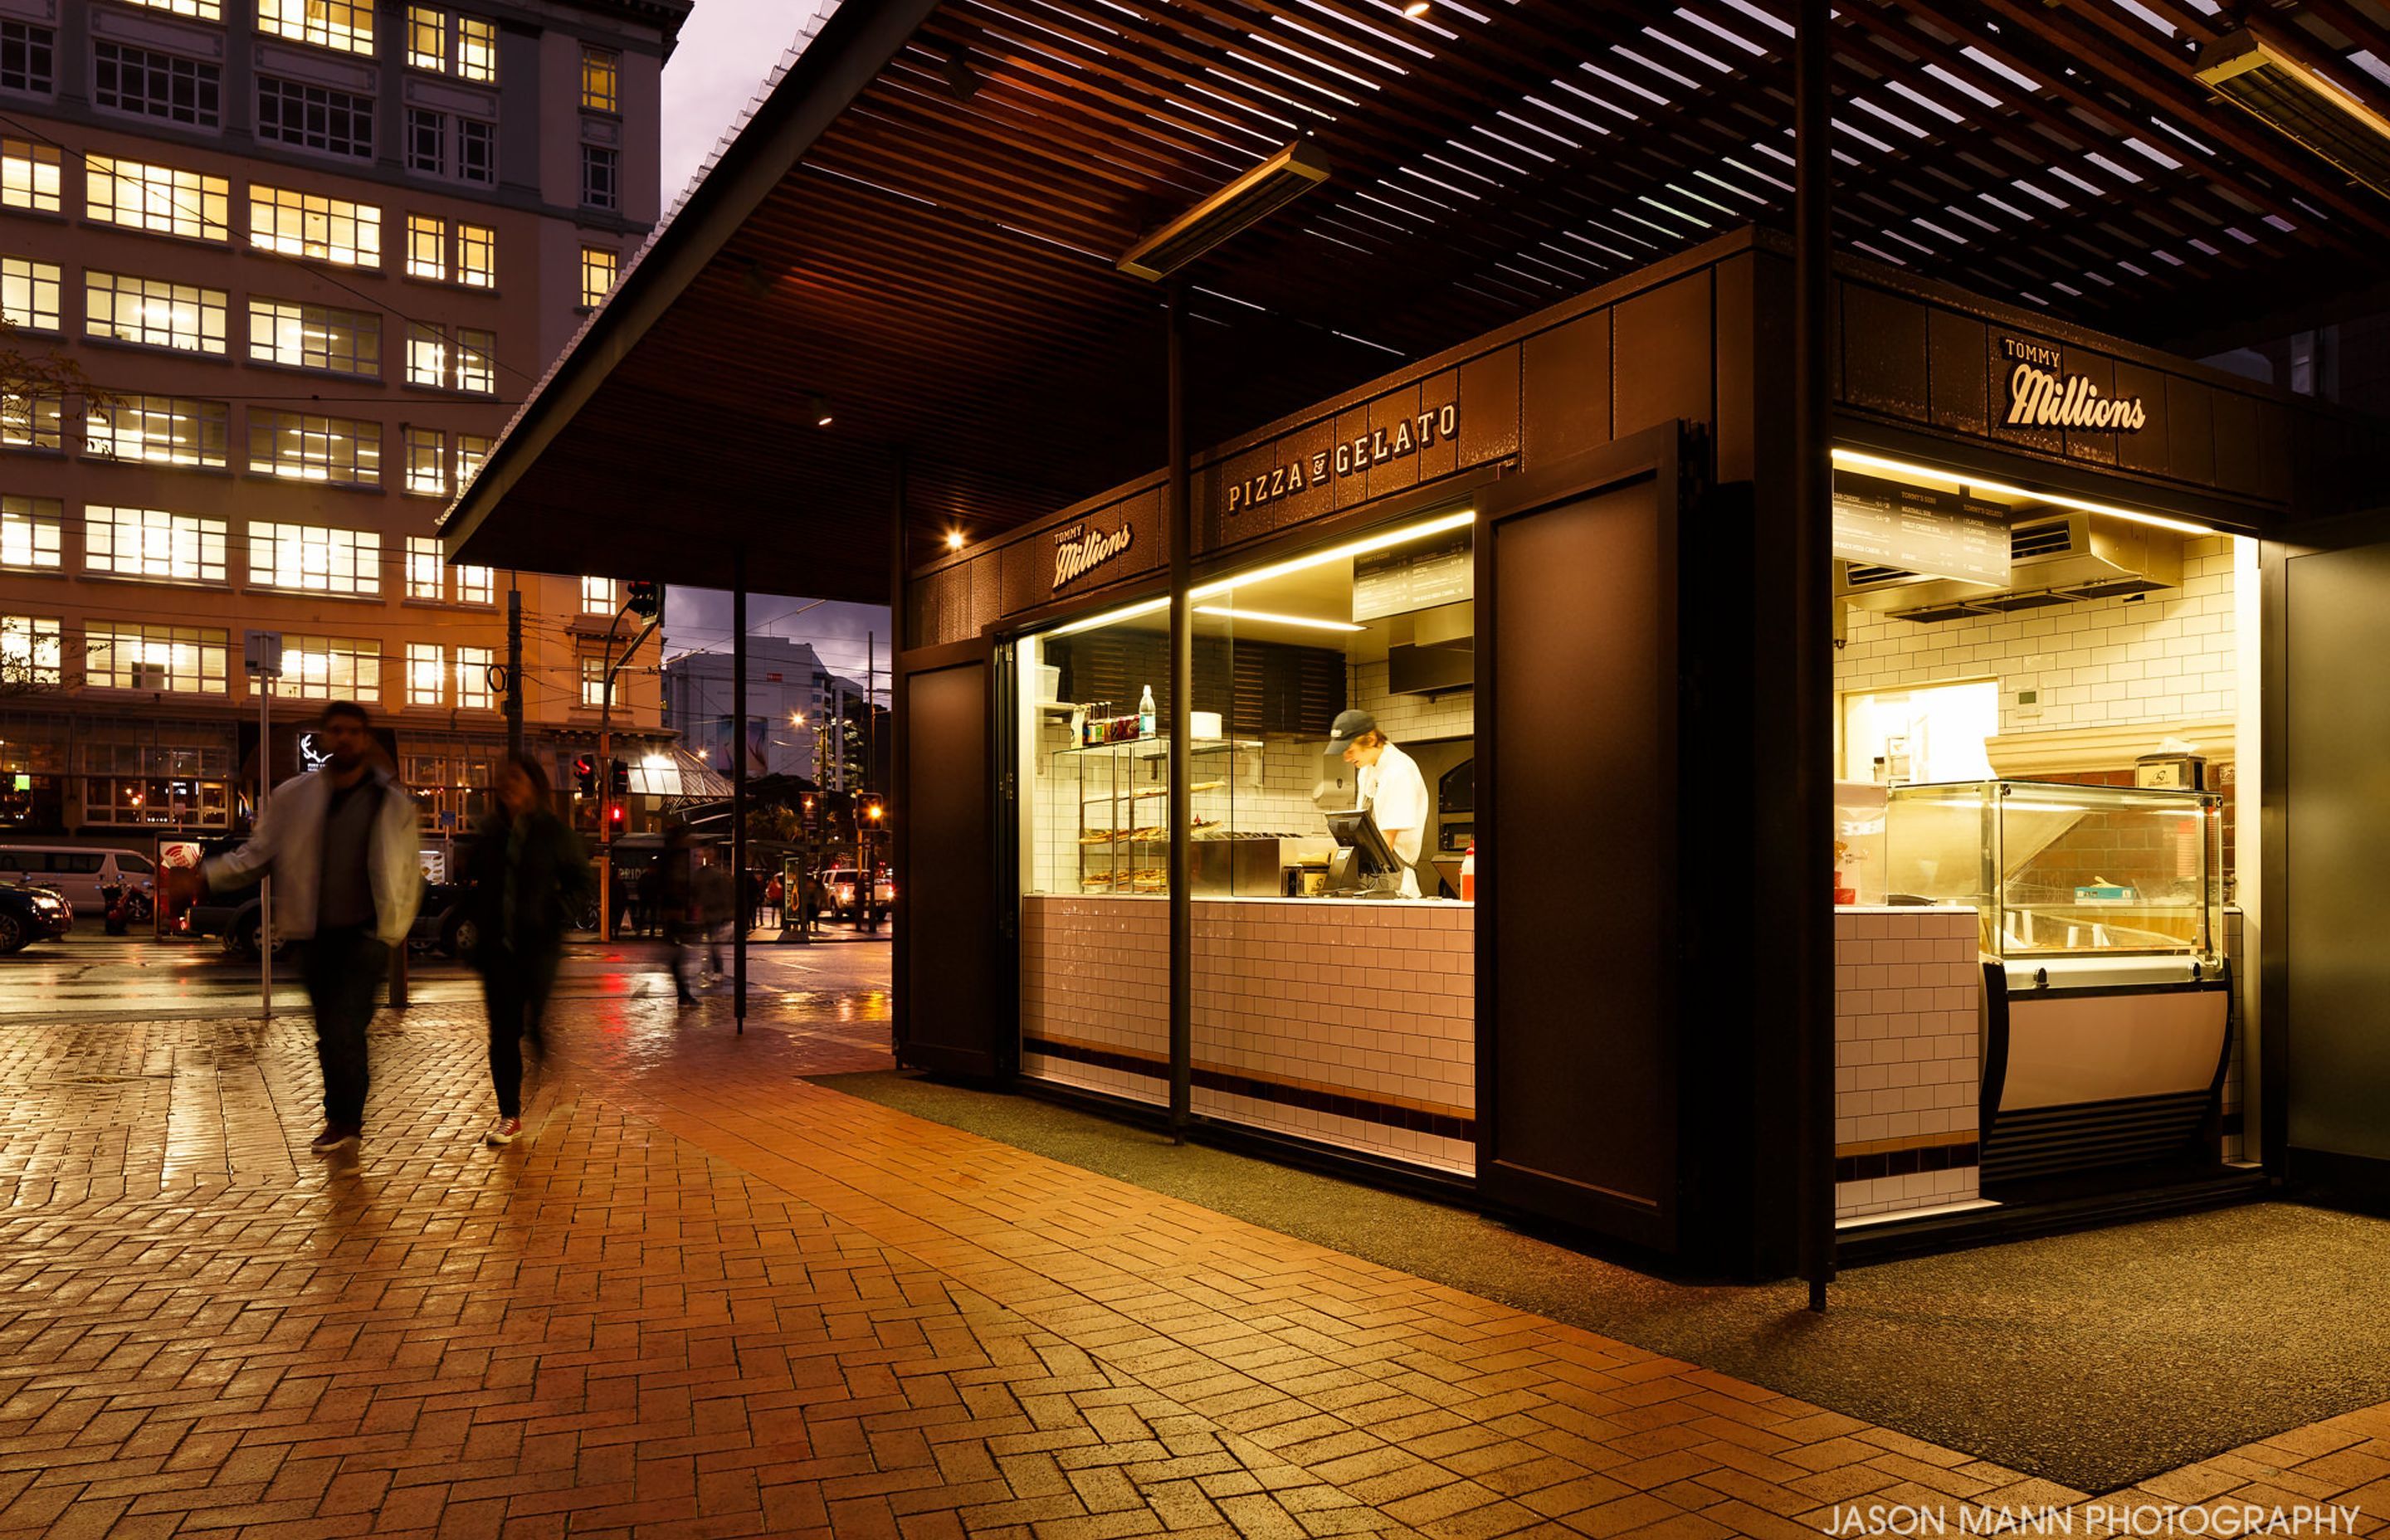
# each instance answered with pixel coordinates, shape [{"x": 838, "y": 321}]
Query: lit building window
[
  {"x": 598, "y": 269},
  {"x": 427, "y": 38},
  {"x": 424, "y": 673},
  {"x": 158, "y": 198},
  {"x": 30, "y": 531},
  {"x": 427, "y": 247},
  {"x": 593, "y": 681},
  {"x": 205, "y": 10},
  {"x": 427, "y": 354},
  {"x": 312, "y": 559},
  {"x": 601, "y": 75},
  {"x": 597, "y": 597},
  {"x": 477, "y": 256},
  {"x": 347, "y": 25},
  {"x": 309, "y": 224},
  {"x": 28, "y": 58},
  {"x": 152, "y": 543},
  {"x": 316, "y": 117},
  {"x": 331, "y": 668},
  {"x": 472, "y": 450},
  {"x": 153, "y": 310},
  {"x": 425, "y": 572},
  {"x": 473, "y": 692},
  {"x": 477, "y": 48},
  {"x": 431, "y": 34},
  {"x": 126, "y": 79},
  {"x": 475, "y": 585},
  {"x": 29, "y": 651},
  {"x": 29, "y": 294},
  {"x": 477, "y": 367},
  {"x": 29, "y": 176},
  {"x": 304, "y": 448},
  {"x": 160, "y": 430},
  {"x": 599, "y": 183},
  {"x": 314, "y": 337},
  {"x": 30, "y": 421},
  {"x": 189, "y": 659},
  {"x": 427, "y": 462}
]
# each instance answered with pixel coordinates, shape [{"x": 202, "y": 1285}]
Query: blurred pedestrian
[
  {"x": 339, "y": 840},
  {"x": 677, "y": 894},
  {"x": 648, "y": 887},
  {"x": 714, "y": 911},
  {"x": 529, "y": 876}
]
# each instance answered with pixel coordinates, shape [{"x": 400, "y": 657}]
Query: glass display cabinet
[
  {"x": 1123, "y": 793},
  {"x": 2059, "y": 870}
]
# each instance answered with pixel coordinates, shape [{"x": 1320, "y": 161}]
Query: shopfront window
[
  {"x": 183, "y": 784},
  {"x": 1329, "y": 784}
]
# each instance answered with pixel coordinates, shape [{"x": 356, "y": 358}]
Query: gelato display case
[{"x": 2107, "y": 1004}]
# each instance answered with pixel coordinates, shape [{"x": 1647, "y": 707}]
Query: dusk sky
[{"x": 726, "y": 50}]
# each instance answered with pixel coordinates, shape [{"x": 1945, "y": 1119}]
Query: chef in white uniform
[{"x": 1391, "y": 787}]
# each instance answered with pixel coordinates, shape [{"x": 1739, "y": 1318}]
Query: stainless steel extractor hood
[{"x": 2055, "y": 559}]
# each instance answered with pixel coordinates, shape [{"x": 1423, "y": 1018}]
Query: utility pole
[
  {"x": 262, "y": 660},
  {"x": 514, "y": 670}
]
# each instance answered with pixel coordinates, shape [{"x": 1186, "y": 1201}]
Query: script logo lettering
[
  {"x": 2039, "y": 396},
  {"x": 1080, "y": 551}
]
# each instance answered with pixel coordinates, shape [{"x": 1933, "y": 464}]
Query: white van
[{"x": 77, "y": 872}]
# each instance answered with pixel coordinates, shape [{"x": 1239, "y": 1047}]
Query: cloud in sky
[
  {"x": 849, "y": 638},
  {"x": 725, "y": 49}
]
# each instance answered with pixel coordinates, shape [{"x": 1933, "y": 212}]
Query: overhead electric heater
[
  {"x": 2267, "y": 83},
  {"x": 1259, "y": 193}
]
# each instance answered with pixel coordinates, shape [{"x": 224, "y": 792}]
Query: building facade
[
  {"x": 275, "y": 274},
  {"x": 793, "y": 698}
]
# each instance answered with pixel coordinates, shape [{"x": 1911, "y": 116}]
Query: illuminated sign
[
  {"x": 1082, "y": 548},
  {"x": 2041, "y": 397},
  {"x": 1407, "y": 436}
]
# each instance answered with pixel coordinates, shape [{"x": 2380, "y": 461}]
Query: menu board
[
  {"x": 1887, "y": 523},
  {"x": 1441, "y": 570}
]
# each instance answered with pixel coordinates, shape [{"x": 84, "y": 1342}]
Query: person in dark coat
[{"x": 530, "y": 874}]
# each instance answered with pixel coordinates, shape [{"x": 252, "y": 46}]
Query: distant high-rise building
[
  {"x": 791, "y": 699},
  {"x": 308, "y": 255}
]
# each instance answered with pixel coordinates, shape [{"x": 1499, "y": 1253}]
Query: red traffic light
[{"x": 615, "y": 812}]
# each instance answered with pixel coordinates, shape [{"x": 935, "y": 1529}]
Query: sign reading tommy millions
[
  {"x": 2040, "y": 397},
  {"x": 1082, "y": 548},
  {"x": 1408, "y": 436}
]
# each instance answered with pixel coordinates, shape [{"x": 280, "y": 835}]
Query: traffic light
[
  {"x": 619, "y": 783},
  {"x": 584, "y": 775},
  {"x": 644, "y": 598},
  {"x": 872, "y": 810},
  {"x": 615, "y": 815}
]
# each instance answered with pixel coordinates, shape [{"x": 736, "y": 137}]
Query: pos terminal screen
[{"x": 1359, "y": 830}]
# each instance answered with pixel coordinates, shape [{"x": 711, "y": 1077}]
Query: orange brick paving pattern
[{"x": 706, "y": 1298}]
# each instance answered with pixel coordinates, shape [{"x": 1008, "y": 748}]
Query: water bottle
[{"x": 1145, "y": 714}]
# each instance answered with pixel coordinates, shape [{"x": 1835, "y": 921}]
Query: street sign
[{"x": 260, "y": 653}]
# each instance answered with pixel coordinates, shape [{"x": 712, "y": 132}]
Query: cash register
[{"x": 1364, "y": 864}]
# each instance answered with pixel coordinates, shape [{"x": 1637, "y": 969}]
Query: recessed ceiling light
[
  {"x": 819, "y": 407},
  {"x": 1415, "y": 9},
  {"x": 953, "y": 540}
]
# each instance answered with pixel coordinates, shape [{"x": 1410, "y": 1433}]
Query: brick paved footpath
[{"x": 705, "y": 1298}]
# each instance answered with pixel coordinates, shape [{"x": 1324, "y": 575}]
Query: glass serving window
[{"x": 2057, "y": 870}]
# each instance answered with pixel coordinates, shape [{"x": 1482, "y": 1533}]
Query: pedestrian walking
[
  {"x": 714, "y": 911},
  {"x": 648, "y": 889},
  {"x": 340, "y": 841},
  {"x": 677, "y": 894},
  {"x": 530, "y": 875}
]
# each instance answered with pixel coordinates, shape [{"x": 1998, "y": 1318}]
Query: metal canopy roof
[{"x": 919, "y": 226}]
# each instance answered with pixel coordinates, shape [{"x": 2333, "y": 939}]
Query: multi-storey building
[
  {"x": 792, "y": 699},
  {"x": 307, "y": 254}
]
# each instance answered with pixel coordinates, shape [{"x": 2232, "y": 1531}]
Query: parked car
[
  {"x": 844, "y": 896},
  {"x": 79, "y": 872},
  {"x": 30, "y": 914}
]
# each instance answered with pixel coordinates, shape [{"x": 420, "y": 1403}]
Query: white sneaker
[{"x": 503, "y": 1133}]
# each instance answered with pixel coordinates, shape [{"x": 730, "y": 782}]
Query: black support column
[
  {"x": 738, "y": 790},
  {"x": 1182, "y": 716},
  {"x": 1813, "y": 915}
]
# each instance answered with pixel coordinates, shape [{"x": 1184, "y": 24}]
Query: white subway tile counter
[
  {"x": 1352, "y": 1023},
  {"x": 1907, "y": 991}
]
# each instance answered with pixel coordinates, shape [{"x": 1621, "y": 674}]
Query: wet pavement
[{"x": 706, "y": 1296}]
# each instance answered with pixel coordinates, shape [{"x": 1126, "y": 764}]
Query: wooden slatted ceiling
[{"x": 939, "y": 265}]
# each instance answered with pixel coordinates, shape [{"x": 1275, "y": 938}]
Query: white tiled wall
[
  {"x": 1452, "y": 715},
  {"x": 1096, "y": 971},
  {"x": 1372, "y": 1000},
  {"x": 1907, "y": 1060},
  {"x": 2167, "y": 656}
]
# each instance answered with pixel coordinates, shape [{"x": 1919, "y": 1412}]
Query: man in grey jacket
[{"x": 340, "y": 841}]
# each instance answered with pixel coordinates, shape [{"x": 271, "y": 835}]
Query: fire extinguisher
[{"x": 1469, "y": 874}]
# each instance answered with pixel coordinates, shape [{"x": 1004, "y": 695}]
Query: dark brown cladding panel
[
  {"x": 2189, "y": 429},
  {"x": 1885, "y": 352},
  {"x": 2148, "y": 450},
  {"x": 1661, "y": 356},
  {"x": 1739, "y": 366},
  {"x": 1387, "y": 412},
  {"x": 1029, "y": 564},
  {"x": 2237, "y": 446},
  {"x": 1488, "y": 395},
  {"x": 1564, "y": 381},
  {"x": 1957, "y": 388}
]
